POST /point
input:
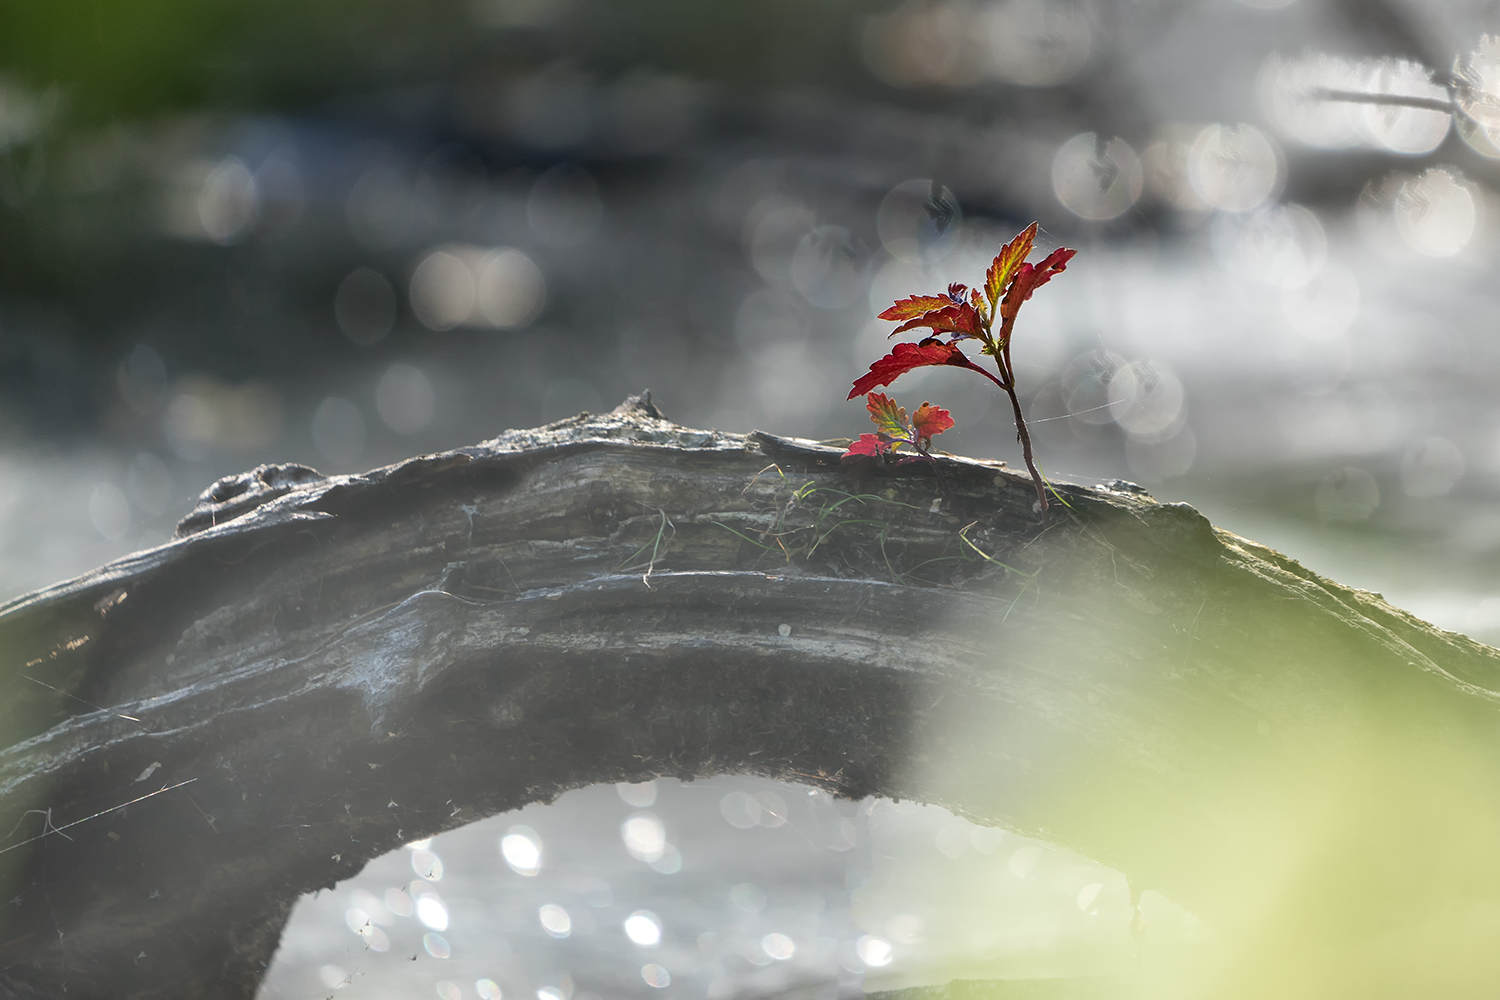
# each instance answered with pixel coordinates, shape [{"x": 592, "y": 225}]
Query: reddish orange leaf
[
  {"x": 868, "y": 444},
  {"x": 1031, "y": 277},
  {"x": 930, "y": 420},
  {"x": 916, "y": 305},
  {"x": 960, "y": 318},
  {"x": 889, "y": 419},
  {"x": 1007, "y": 262},
  {"x": 904, "y": 357}
]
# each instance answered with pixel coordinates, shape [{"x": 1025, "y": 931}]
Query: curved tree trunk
[{"x": 321, "y": 668}]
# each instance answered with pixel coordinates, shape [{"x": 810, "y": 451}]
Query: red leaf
[
  {"x": 904, "y": 357},
  {"x": 1031, "y": 277},
  {"x": 961, "y": 318},
  {"x": 868, "y": 444},
  {"x": 930, "y": 420},
  {"x": 889, "y": 419},
  {"x": 1007, "y": 262},
  {"x": 956, "y": 291},
  {"x": 916, "y": 305}
]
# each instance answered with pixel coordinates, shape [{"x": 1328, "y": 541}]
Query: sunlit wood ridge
[{"x": 340, "y": 664}]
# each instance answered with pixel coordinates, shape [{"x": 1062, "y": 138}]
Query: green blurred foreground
[{"x": 1307, "y": 770}]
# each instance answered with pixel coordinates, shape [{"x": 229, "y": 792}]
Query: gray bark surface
[{"x": 319, "y": 669}]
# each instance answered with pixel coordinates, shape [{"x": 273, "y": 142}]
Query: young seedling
[
  {"x": 894, "y": 431},
  {"x": 962, "y": 314}
]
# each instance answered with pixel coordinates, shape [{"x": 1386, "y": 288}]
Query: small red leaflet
[{"x": 893, "y": 430}]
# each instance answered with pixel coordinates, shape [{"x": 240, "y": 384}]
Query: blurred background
[
  {"x": 349, "y": 231},
  {"x": 343, "y": 233}
]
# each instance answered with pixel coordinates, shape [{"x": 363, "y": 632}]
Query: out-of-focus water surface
[
  {"x": 720, "y": 888},
  {"x": 349, "y": 237}
]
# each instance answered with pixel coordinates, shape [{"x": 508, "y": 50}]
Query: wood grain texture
[{"x": 342, "y": 664}]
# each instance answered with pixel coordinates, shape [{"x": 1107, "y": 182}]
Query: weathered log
[{"x": 320, "y": 668}]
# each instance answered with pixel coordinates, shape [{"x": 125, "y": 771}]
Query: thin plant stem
[
  {"x": 987, "y": 375},
  {"x": 1008, "y": 383}
]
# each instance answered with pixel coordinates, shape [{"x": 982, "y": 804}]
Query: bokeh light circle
[
  {"x": 1036, "y": 43},
  {"x": 1436, "y": 213},
  {"x": 1097, "y": 180},
  {"x": 522, "y": 849},
  {"x": 643, "y": 928},
  {"x": 555, "y": 920},
  {"x": 1234, "y": 168},
  {"x": 919, "y": 220}
]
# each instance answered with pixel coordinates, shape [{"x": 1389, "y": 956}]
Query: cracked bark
[{"x": 341, "y": 664}]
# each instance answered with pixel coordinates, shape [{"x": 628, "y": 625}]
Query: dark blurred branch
[{"x": 1384, "y": 100}]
